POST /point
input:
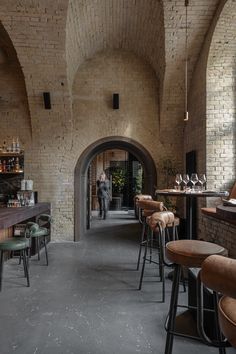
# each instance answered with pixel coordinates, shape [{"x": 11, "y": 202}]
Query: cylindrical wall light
[{"x": 115, "y": 100}]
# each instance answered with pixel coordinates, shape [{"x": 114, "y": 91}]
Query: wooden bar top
[{"x": 12, "y": 216}]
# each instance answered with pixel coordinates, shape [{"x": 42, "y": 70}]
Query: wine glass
[
  {"x": 194, "y": 179},
  {"x": 185, "y": 180},
  {"x": 202, "y": 180},
  {"x": 178, "y": 179}
]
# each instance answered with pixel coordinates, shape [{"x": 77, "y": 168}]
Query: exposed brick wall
[
  {"x": 221, "y": 105},
  {"x": 220, "y": 232},
  {"x": 14, "y": 115}
]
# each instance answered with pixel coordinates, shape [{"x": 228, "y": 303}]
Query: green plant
[
  {"x": 168, "y": 169},
  {"x": 118, "y": 180}
]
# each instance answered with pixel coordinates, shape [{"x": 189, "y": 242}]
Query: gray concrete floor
[{"x": 86, "y": 301}]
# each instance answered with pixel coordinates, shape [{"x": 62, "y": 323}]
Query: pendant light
[{"x": 186, "y": 61}]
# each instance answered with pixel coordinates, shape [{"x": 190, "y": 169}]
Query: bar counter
[{"x": 12, "y": 216}]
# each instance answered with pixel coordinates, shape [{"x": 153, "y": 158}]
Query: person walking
[{"x": 103, "y": 194}]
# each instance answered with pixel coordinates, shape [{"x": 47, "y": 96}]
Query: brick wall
[
  {"x": 143, "y": 41},
  {"x": 219, "y": 232}
]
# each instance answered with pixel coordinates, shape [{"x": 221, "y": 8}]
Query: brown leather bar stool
[
  {"x": 219, "y": 274},
  {"x": 136, "y": 199},
  {"x": 145, "y": 209},
  {"x": 191, "y": 254},
  {"x": 158, "y": 223}
]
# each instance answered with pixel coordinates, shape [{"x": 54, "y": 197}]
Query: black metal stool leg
[
  {"x": 219, "y": 335},
  {"x": 143, "y": 267},
  {"x": 38, "y": 248},
  {"x": 1, "y": 270},
  {"x": 172, "y": 310},
  {"x": 26, "y": 267},
  {"x": 141, "y": 244},
  {"x": 161, "y": 261},
  {"x": 46, "y": 251}
]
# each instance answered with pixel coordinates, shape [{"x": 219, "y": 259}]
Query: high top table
[{"x": 189, "y": 196}]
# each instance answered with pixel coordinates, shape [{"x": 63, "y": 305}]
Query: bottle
[
  {"x": 17, "y": 145},
  {"x": 4, "y": 147},
  {"x": 4, "y": 168},
  {"x": 0, "y": 166},
  {"x": 12, "y": 165},
  {"x": 17, "y": 165},
  {"x": 13, "y": 146}
]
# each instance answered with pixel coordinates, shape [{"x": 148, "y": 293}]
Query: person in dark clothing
[{"x": 103, "y": 194}]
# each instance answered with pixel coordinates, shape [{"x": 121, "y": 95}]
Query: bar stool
[
  {"x": 219, "y": 274},
  {"x": 191, "y": 254},
  {"x": 39, "y": 232},
  {"x": 137, "y": 198},
  {"x": 158, "y": 223},
  {"x": 146, "y": 208},
  {"x": 15, "y": 244}
]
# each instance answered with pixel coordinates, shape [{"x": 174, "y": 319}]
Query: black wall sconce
[
  {"x": 47, "y": 100},
  {"x": 115, "y": 100}
]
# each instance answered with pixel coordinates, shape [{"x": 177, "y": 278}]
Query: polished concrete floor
[{"x": 86, "y": 301}]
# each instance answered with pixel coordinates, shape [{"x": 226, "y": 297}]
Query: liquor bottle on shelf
[
  {"x": 4, "y": 147},
  {"x": 17, "y": 145},
  {"x": 0, "y": 166},
  {"x": 17, "y": 165},
  {"x": 13, "y": 145},
  {"x": 4, "y": 166}
]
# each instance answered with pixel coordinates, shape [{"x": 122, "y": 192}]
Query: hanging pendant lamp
[{"x": 186, "y": 61}]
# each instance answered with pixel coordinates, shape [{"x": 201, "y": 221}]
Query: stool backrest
[
  {"x": 44, "y": 219},
  {"x": 30, "y": 228}
]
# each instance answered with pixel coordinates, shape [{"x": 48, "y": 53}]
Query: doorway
[
  {"x": 83, "y": 170},
  {"x": 125, "y": 174}
]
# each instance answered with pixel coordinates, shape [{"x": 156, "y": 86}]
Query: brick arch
[
  {"x": 80, "y": 174},
  {"x": 14, "y": 102},
  {"x": 221, "y": 101}
]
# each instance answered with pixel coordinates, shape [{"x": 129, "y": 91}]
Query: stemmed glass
[
  {"x": 194, "y": 179},
  {"x": 178, "y": 179},
  {"x": 185, "y": 180},
  {"x": 202, "y": 180}
]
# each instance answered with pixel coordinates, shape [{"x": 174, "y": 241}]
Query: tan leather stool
[
  {"x": 219, "y": 274},
  {"x": 136, "y": 199},
  {"x": 145, "y": 209},
  {"x": 191, "y": 254},
  {"x": 157, "y": 222}
]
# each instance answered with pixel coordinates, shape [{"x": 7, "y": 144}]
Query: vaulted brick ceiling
[
  {"x": 134, "y": 25},
  {"x": 152, "y": 29}
]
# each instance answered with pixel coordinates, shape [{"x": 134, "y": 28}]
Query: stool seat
[
  {"x": 14, "y": 244},
  {"x": 191, "y": 253}
]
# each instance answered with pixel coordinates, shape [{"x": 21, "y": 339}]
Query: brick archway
[{"x": 80, "y": 180}]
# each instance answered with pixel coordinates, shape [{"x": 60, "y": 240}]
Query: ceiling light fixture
[{"x": 186, "y": 61}]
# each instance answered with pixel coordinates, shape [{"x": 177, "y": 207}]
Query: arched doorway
[{"x": 81, "y": 169}]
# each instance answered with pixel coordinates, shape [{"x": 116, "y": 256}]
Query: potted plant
[{"x": 118, "y": 180}]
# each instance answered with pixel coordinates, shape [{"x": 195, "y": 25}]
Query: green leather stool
[
  {"x": 38, "y": 232},
  {"x": 14, "y": 244}
]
